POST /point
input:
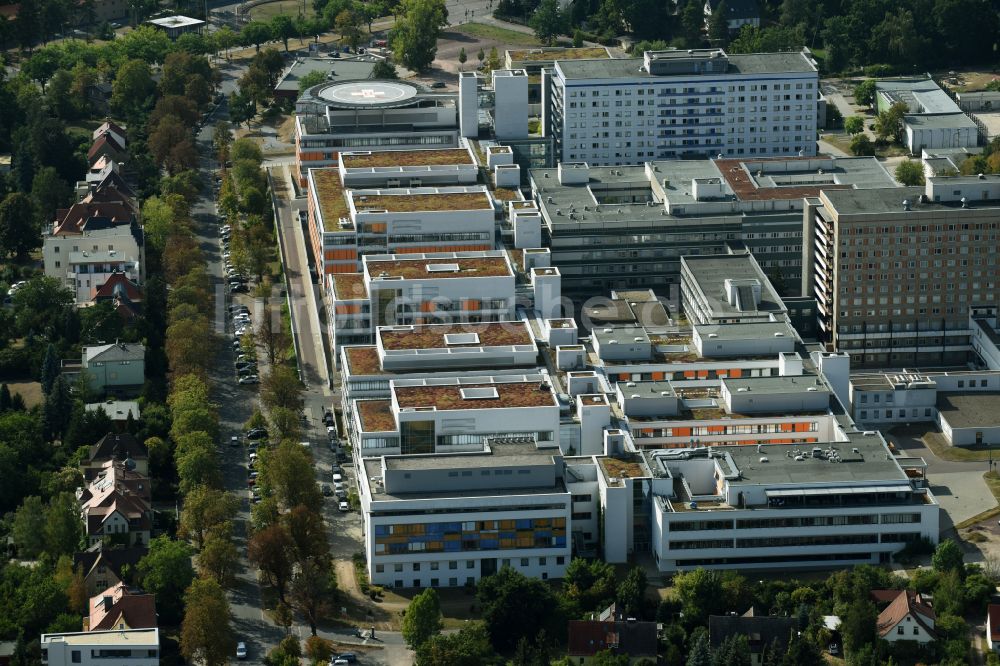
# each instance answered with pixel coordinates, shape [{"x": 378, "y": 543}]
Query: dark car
[
  {"x": 341, "y": 494},
  {"x": 239, "y": 288},
  {"x": 348, "y": 656},
  {"x": 341, "y": 457},
  {"x": 257, "y": 433},
  {"x": 326, "y": 490},
  {"x": 328, "y": 418}
]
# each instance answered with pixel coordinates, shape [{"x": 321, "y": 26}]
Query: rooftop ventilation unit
[
  {"x": 442, "y": 268},
  {"x": 480, "y": 393}
]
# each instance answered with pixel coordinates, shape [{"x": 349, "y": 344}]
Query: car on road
[
  {"x": 331, "y": 433},
  {"x": 439, "y": 84},
  {"x": 238, "y": 288},
  {"x": 241, "y": 650},
  {"x": 337, "y": 478},
  {"x": 326, "y": 490},
  {"x": 349, "y": 657},
  {"x": 238, "y": 307},
  {"x": 343, "y": 506},
  {"x": 234, "y": 441},
  {"x": 328, "y": 418},
  {"x": 252, "y": 379},
  {"x": 339, "y": 662},
  {"x": 257, "y": 433}
]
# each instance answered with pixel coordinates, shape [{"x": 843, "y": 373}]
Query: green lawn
[
  {"x": 936, "y": 442},
  {"x": 496, "y": 33},
  {"x": 264, "y": 12}
]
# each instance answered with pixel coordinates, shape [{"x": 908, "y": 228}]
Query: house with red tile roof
[
  {"x": 120, "y": 608},
  {"x": 907, "y": 617},
  {"x": 106, "y": 145},
  {"x": 117, "y": 505},
  {"x": 116, "y": 131}
]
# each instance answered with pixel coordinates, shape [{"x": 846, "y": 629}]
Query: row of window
[
  {"x": 793, "y": 522},
  {"x": 469, "y": 564}
]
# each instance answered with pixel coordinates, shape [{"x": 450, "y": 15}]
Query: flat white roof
[{"x": 176, "y": 22}]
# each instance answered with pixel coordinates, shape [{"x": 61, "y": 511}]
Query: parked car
[
  {"x": 341, "y": 457},
  {"x": 241, "y": 650},
  {"x": 337, "y": 477},
  {"x": 257, "y": 433},
  {"x": 344, "y": 507},
  {"x": 336, "y": 469},
  {"x": 250, "y": 379},
  {"x": 328, "y": 418},
  {"x": 238, "y": 288},
  {"x": 331, "y": 432},
  {"x": 249, "y": 371},
  {"x": 341, "y": 494},
  {"x": 349, "y": 657},
  {"x": 326, "y": 490},
  {"x": 238, "y": 307}
]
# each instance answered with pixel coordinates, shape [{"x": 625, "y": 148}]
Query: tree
[
  {"x": 314, "y": 591},
  {"x": 242, "y": 108},
  {"x": 548, "y": 21},
  {"x": 470, "y": 646},
  {"x": 718, "y": 25},
  {"x": 133, "y": 89},
  {"x": 206, "y": 633},
  {"x": 734, "y": 651},
  {"x": 948, "y": 557},
  {"x": 288, "y": 471},
  {"x": 692, "y": 23},
  {"x": 348, "y": 24},
  {"x": 632, "y": 592},
  {"x": 255, "y": 33},
  {"x": 514, "y": 605},
  {"x": 862, "y": 145},
  {"x": 308, "y": 534},
  {"x": 481, "y": 55},
  {"x": 204, "y": 509},
  {"x": 416, "y": 32},
  {"x": 218, "y": 557},
  {"x": 889, "y": 123},
  {"x": 590, "y": 583},
  {"x": 20, "y": 232},
  {"x": 801, "y": 650},
  {"x": 166, "y": 571},
  {"x": 422, "y": 619},
  {"x": 269, "y": 551},
  {"x": 858, "y": 625},
  {"x": 282, "y": 388},
  {"x": 50, "y": 368},
  {"x": 28, "y": 528},
  {"x": 171, "y": 146},
  {"x": 910, "y": 172},
  {"x": 63, "y": 529},
  {"x": 283, "y": 28},
  {"x": 310, "y": 79},
  {"x": 318, "y": 650},
  {"x": 700, "y": 654},
  {"x": 198, "y": 467},
  {"x": 384, "y": 69},
  {"x": 854, "y": 125},
  {"x": 462, "y": 58},
  {"x": 272, "y": 337},
  {"x": 864, "y": 93}
]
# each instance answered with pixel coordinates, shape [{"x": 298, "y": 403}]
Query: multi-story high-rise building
[
  {"x": 896, "y": 271},
  {"x": 681, "y": 104},
  {"x": 623, "y": 227}
]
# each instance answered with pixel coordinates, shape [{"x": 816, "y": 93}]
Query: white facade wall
[
  {"x": 426, "y": 226},
  {"x": 738, "y": 130},
  {"x": 56, "y": 251},
  {"x": 920, "y": 138},
  {"x": 908, "y": 629},
  {"x": 93, "y": 648},
  {"x": 510, "y": 113},
  {"x": 670, "y": 557},
  {"x": 455, "y": 569}
]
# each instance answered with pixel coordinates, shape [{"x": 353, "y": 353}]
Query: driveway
[{"x": 958, "y": 486}]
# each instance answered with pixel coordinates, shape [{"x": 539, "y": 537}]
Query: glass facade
[{"x": 455, "y": 537}]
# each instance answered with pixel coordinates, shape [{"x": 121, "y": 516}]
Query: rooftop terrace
[
  {"x": 437, "y": 267},
  {"x": 394, "y": 158},
  {"x": 421, "y": 202},
  {"x": 448, "y": 397},
  {"x": 376, "y": 415},
  {"x": 363, "y": 360},
  {"x": 618, "y": 468},
  {"x": 449, "y": 336},
  {"x": 329, "y": 194},
  {"x": 349, "y": 286}
]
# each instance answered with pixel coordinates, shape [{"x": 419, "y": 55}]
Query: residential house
[
  {"x": 120, "y": 608},
  {"x": 115, "y": 366},
  {"x": 115, "y": 131},
  {"x": 762, "y": 631},
  {"x": 91, "y": 240},
  {"x": 993, "y": 626},
  {"x": 116, "y": 505},
  {"x": 104, "y": 567},
  {"x": 124, "y": 294},
  {"x": 135, "y": 647},
  {"x": 906, "y": 617},
  {"x": 613, "y": 632},
  {"x": 106, "y": 145},
  {"x": 738, "y": 12},
  {"x": 119, "y": 447}
]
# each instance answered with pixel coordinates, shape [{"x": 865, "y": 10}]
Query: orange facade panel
[{"x": 342, "y": 255}]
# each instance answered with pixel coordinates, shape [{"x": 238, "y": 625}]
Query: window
[
  {"x": 397, "y": 567},
  {"x": 434, "y": 566},
  {"x": 541, "y": 561},
  {"x": 379, "y": 568},
  {"x": 899, "y": 630},
  {"x": 524, "y": 561},
  {"x": 470, "y": 564},
  {"x": 453, "y": 564},
  {"x": 75, "y": 656},
  {"x": 416, "y": 566},
  {"x": 560, "y": 560}
]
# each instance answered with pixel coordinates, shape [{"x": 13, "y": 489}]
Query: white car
[
  {"x": 241, "y": 331},
  {"x": 252, "y": 379},
  {"x": 337, "y": 478},
  {"x": 241, "y": 650},
  {"x": 344, "y": 507}
]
